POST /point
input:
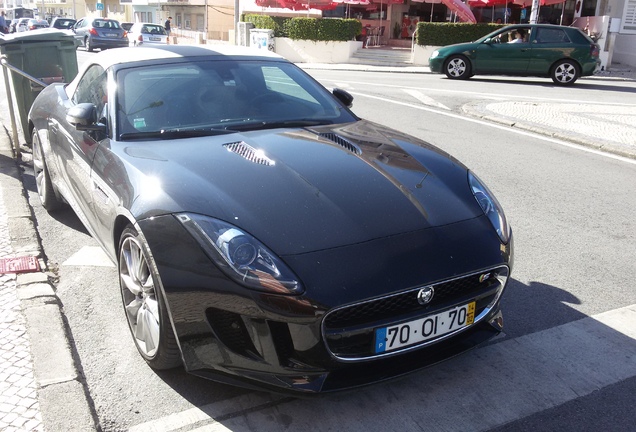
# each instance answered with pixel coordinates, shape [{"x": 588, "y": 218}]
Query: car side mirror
[
  {"x": 84, "y": 117},
  {"x": 344, "y": 97}
]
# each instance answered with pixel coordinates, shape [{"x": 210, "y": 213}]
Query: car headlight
[
  {"x": 240, "y": 256},
  {"x": 435, "y": 54},
  {"x": 490, "y": 206}
]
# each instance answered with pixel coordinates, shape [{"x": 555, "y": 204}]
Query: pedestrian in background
[
  {"x": 167, "y": 26},
  {"x": 4, "y": 28}
]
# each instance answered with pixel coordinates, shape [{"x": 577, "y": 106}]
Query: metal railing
[{"x": 7, "y": 66}]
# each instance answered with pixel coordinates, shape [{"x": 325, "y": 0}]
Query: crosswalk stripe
[
  {"x": 425, "y": 99},
  {"x": 89, "y": 256},
  {"x": 488, "y": 387}
]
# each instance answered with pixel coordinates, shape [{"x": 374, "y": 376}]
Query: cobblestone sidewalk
[{"x": 19, "y": 406}]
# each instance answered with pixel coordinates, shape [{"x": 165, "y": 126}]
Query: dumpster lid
[{"x": 40, "y": 35}]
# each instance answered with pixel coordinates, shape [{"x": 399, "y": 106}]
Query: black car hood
[{"x": 304, "y": 190}]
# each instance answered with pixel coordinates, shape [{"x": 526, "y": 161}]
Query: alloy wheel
[
  {"x": 138, "y": 293},
  {"x": 565, "y": 73},
  {"x": 457, "y": 67}
]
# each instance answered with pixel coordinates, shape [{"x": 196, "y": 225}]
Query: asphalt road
[{"x": 568, "y": 354}]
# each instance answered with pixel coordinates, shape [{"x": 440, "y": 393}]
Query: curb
[
  {"x": 603, "y": 146},
  {"x": 62, "y": 396}
]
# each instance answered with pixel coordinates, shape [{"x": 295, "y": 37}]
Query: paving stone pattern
[{"x": 19, "y": 407}]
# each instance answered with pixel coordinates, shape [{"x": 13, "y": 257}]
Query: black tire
[
  {"x": 43, "y": 183},
  {"x": 457, "y": 67},
  {"x": 565, "y": 72},
  {"x": 144, "y": 304},
  {"x": 88, "y": 45}
]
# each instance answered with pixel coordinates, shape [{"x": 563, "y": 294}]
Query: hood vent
[
  {"x": 250, "y": 153},
  {"x": 346, "y": 144}
]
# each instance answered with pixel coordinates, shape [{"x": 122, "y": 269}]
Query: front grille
[{"x": 350, "y": 331}]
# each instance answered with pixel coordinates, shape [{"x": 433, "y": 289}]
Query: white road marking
[
  {"x": 89, "y": 256},
  {"x": 502, "y": 127},
  {"x": 425, "y": 99},
  {"x": 501, "y": 96},
  {"x": 485, "y": 388}
]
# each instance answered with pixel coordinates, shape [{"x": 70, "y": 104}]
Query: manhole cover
[{"x": 19, "y": 265}]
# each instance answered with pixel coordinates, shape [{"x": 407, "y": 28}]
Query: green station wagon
[{"x": 562, "y": 53}]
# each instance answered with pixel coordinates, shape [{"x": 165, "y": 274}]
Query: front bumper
[
  {"x": 436, "y": 64},
  {"x": 297, "y": 343}
]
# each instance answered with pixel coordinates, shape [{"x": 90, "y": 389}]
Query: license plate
[
  {"x": 111, "y": 34},
  {"x": 155, "y": 39},
  {"x": 429, "y": 327}
]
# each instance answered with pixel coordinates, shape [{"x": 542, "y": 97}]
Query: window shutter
[{"x": 628, "y": 24}]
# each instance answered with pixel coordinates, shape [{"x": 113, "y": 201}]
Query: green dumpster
[{"x": 48, "y": 55}]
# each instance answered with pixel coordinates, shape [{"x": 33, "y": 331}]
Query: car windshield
[{"x": 220, "y": 95}]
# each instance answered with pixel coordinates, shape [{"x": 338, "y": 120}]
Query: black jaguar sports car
[{"x": 264, "y": 235}]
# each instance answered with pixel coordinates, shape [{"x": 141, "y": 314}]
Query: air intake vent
[
  {"x": 342, "y": 142},
  {"x": 250, "y": 153}
]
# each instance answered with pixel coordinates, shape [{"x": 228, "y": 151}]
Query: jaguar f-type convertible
[{"x": 265, "y": 235}]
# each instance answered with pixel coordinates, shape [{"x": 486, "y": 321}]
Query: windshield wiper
[
  {"x": 278, "y": 124},
  {"x": 175, "y": 134}
]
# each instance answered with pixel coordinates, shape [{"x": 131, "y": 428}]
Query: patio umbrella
[
  {"x": 462, "y": 11},
  {"x": 308, "y": 4},
  {"x": 268, "y": 3}
]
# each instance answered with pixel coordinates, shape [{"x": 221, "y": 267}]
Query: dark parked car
[
  {"x": 100, "y": 33},
  {"x": 263, "y": 233},
  {"x": 63, "y": 23},
  {"x": 561, "y": 53},
  {"x": 126, "y": 25},
  {"x": 35, "y": 24}
]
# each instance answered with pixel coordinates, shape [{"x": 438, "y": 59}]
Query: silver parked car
[{"x": 147, "y": 33}]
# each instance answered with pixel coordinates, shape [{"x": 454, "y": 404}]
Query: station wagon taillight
[{"x": 594, "y": 51}]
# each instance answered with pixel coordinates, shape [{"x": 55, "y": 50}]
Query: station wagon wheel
[
  {"x": 565, "y": 72},
  {"x": 42, "y": 178},
  {"x": 457, "y": 67},
  {"x": 144, "y": 303}
]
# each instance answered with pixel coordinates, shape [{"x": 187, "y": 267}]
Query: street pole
[
  {"x": 534, "y": 15},
  {"x": 236, "y": 21}
]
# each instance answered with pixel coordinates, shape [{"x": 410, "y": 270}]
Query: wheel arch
[{"x": 120, "y": 224}]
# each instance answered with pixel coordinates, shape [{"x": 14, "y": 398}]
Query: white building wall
[
  {"x": 625, "y": 43},
  {"x": 625, "y": 50}
]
